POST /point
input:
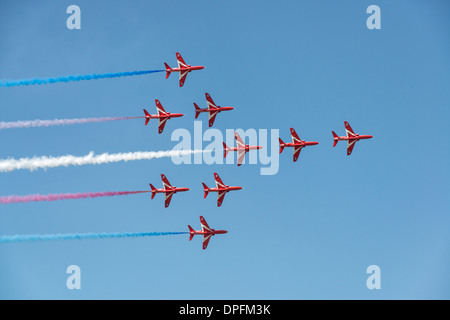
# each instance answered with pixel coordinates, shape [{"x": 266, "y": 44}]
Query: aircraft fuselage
[
  {"x": 301, "y": 144},
  {"x": 356, "y": 137},
  {"x": 219, "y": 109},
  {"x": 184, "y": 69},
  {"x": 226, "y": 189},
  {"x": 212, "y": 232},
  {"x": 247, "y": 148},
  {"x": 174, "y": 190},
  {"x": 168, "y": 115}
]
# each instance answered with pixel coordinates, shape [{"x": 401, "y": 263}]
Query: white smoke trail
[
  {"x": 45, "y": 162},
  {"x": 56, "y": 122}
]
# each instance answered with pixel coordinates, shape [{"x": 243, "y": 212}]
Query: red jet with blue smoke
[
  {"x": 183, "y": 69},
  {"x": 206, "y": 231}
]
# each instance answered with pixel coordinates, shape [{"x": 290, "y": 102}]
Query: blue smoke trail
[
  {"x": 81, "y": 236},
  {"x": 28, "y": 82}
]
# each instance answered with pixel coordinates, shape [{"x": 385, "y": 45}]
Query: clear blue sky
[{"x": 308, "y": 232}]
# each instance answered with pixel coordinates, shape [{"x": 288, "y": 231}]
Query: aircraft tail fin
[
  {"x": 167, "y": 70},
  {"x": 281, "y": 145},
  {"x": 197, "y": 110},
  {"x": 225, "y": 150},
  {"x": 153, "y": 190},
  {"x": 335, "y": 138},
  {"x": 147, "y": 117},
  {"x": 206, "y": 189},
  {"x": 191, "y": 231}
]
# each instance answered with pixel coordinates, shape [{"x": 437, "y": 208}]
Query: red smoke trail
[{"x": 64, "y": 196}]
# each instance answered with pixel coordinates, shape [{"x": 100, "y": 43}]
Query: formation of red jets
[
  {"x": 163, "y": 116},
  {"x": 170, "y": 190},
  {"x": 221, "y": 190},
  {"x": 241, "y": 148}
]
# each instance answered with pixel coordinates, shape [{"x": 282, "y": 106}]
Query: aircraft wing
[
  {"x": 239, "y": 141},
  {"x": 297, "y": 151},
  {"x": 166, "y": 182},
  {"x": 350, "y": 146},
  {"x": 168, "y": 198},
  {"x": 294, "y": 136},
  {"x": 219, "y": 183},
  {"x": 220, "y": 197},
  {"x": 180, "y": 61},
  {"x": 349, "y": 130},
  {"x": 241, "y": 156},
  {"x": 206, "y": 238},
  {"x": 205, "y": 226},
  {"x": 159, "y": 108},
  {"x": 210, "y": 102},
  {"x": 162, "y": 124},
  {"x": 212, "y": 117},
  {"x": 183, "y": 75}
]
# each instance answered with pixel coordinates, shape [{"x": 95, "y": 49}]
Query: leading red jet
[
  {"x": 183, "y": 69},
  {"x": 296, "y": 143},
  {"x": 221, "y": 189},
  {"x": 241, "y": 148},
  {"x": 206, "y": 231},
  {"x": 351, "y": 138},
  {"x": 212, "y": 109},
  {"x": 162, "y": 115},
  {"x": 168, "y": 190}
]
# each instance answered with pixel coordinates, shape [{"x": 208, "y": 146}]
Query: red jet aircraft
[
  {"x": 296, "y": 143},
  {"x": 206, "y": 231},
  {"x": 162, "y": 115},
  {"x": 212, "y": 109},
  {"x": 183, "y": 69},
  {"x": 241, "y": 148},
  {"x": 351, "y": 138},
  {"x": 168, "y": 190},
  {"x": 221, "y": 189}
]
